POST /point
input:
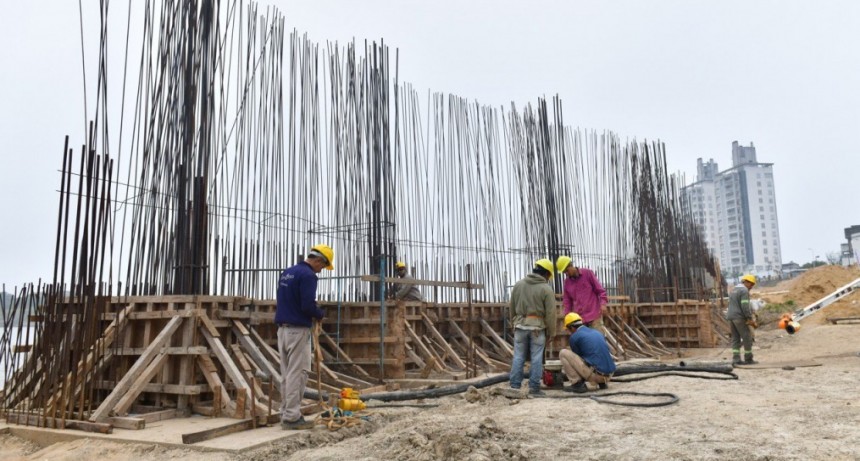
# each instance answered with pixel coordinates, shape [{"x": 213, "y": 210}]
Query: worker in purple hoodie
[{"x": 582, "y": 293}]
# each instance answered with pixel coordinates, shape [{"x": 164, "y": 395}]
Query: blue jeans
[{"x": 526, "y": 341}]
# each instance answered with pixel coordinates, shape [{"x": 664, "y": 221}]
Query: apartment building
[{"x": 736, "y": 212}]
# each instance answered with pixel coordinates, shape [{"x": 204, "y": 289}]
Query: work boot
[
  {"x": 579, "y": 387},
  {"x": 603, "y": 386},
  {"x": 297, "y": 425},
  {"x": 736, "y": 360},
  {"x": 748, "y": 360},
  {"x": 537, "y": 393}
]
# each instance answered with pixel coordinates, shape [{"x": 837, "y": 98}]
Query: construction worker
[
  {"x": 533, "y": 316},
  {"x": 588, "y": 361},
  {"x": 406, "y": 292},
  {"x": 582, "y": 293},
  {"x": 742, "y": 320},
  {"x": 296, "y": 310}
]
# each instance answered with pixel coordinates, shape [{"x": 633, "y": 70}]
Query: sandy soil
[{"x": 809, "y": 412}]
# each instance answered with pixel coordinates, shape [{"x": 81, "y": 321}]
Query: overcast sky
[{"x": 696, "y": 75}]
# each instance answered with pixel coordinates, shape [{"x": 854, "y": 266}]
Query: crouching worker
[{"x": 588, "y": 360}]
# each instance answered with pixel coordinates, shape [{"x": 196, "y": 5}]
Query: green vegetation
[{"x": 779, "y": 308}]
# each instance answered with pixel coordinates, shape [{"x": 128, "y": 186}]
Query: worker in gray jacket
[
  {"x": 533, "y": 315},
  {"x": 742, "y": 320},
  {"x": 404, "y": 291}
]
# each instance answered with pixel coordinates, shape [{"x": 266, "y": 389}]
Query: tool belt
[{"x": 594, "y": 370}]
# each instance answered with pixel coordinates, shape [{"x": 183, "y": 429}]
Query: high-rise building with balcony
[{"x": 736, "y": 213}]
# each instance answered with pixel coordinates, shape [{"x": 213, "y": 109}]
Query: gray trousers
[
  {"x": 741, "y": 335},
  {"x": 294, "y": 346}
]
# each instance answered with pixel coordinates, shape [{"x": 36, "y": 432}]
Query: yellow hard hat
[
  {"x": 572, "y": 319},
  {"x": 400, "y": 264},
  {"x": 561, "y": 263},
  {"x": 326, "y": 252},
  {"x": 546, "y": 264},
  {"x": 748, "y": 278}
]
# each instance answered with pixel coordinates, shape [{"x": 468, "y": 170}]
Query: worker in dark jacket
[
  {"x": 533, "y": 315},
  {"x": 742, "y": 320},
  {"x": 297, "y": 308},
  {"x": 588, "y": 361},
  {"x": 404, "y": 291}
]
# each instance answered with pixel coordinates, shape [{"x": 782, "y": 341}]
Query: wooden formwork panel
[
  {"x": 371, "y": 335},
  {"x": 356, "y": 328},
  {"x": 682, "y": 324}
]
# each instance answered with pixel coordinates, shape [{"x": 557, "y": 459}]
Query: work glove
[{"x": 752, "y": 322}]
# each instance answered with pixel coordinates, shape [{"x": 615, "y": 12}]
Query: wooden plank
[
  {"x": 371, "y": 340},
  {"x": 209, "y": 434},
  {"x": 102, "y": 412},
  {"x": 256, "y": 354},
  {"x": 186, "y": 363},
  {"x": 124, "y": 422},
  {"x": 241, "y": 402},
  {"x": 57, "y": 423},
  {"x": 507, "y": 348},
  {"x": 124, "y": 403},
  {"x": 312, "y": 384},
  {"x": 647, "y": 331},
  {"x": 440, "y": 358},
  {"x": 238, "y": 326},
  {"x": 264, "y": 347},
  {"x": 210, "y": 373},
  {"x": 240, "y": 358},
  {"x": 255, "y": 318},
  {"x": 189, "y": 350},
  {"x": 97, "y": 357},
  {"x": 217, "y": 401},
  {"x": 153, "y": 315},
  {"x": 442, "y": 342},
  {"x": 207, "y": 323},
  {"x": 369, "y": 321},
  {"x": 163, "y": 299},
  {"x": 423, "y": 349},
  {"x": 224, "y": 357},
  {"x": 467, "y": 343},
  {"x": 156, "y": 416},
  {"x": 428, "y": 283},
  {"x": 147, "y": 337},
  {"x": 431, "y": 363},
  {"x": 412, "y": 357},
  {"x": 345, "y": 357},
  {"x": 159, "y": 388},
  {"x": 311, "y": 409},
  {"x": 205, "y": 410}
]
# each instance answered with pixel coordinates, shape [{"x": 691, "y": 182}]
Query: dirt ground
[{"x": 808, "y": 412}]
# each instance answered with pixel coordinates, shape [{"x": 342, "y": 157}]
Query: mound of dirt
[{"x": 809, "y": 287}]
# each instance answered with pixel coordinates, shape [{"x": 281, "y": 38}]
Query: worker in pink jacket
[{"x": 583, "y": 293}]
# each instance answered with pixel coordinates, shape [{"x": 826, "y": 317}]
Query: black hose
[
  {"x": 654, "y": 374},
  {"x": 601, "y": 398},
  {"x": 655, "y": 369},
  {"x": 630, "y": 368},
  {"x": 672, "y": 399},
  {"x": 436, "y": 392}
]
